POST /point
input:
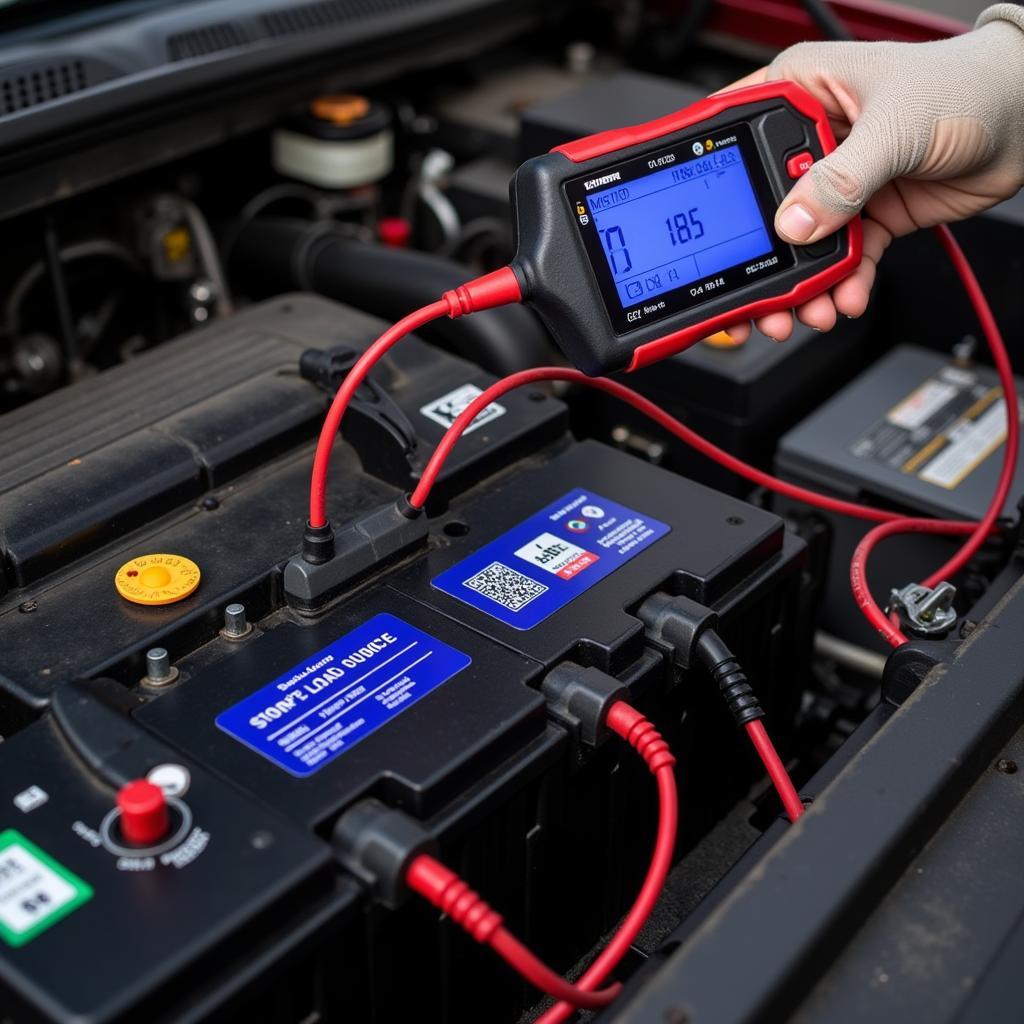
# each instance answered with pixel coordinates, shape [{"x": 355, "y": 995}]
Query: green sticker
[{"x": 35, "y": 891}]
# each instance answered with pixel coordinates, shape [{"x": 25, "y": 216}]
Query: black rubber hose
[{"x": 271, "y": 255}]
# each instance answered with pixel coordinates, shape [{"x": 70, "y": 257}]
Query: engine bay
[{"x": 239, "y": 745}]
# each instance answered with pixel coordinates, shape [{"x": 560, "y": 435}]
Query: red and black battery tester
[{"x": 634, "y": 243}]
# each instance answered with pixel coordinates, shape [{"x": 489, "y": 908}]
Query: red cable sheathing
[
  {"x": 499, "y": 288},
  {"x": 791, "y": 802},
  {"x": 978, "y": 532},
  {"x": 349, "y": 386},
  {"x": 1004, "y": 369},
  {"x": 668, "y": 422},
  {"x": 632, "y": 726},
  {"x": 641, "y": 735},
  {"x": 452, "y": 896},
  {"x": 888, "y": 626},
  {"x": 885, "y": 624}
]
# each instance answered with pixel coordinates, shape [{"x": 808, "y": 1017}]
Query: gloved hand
[{"x": 931, "y": 132}]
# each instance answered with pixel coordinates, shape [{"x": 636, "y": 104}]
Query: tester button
[{"x": 799, "y": 164}]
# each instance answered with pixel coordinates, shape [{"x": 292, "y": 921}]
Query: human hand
[{"x": 929, "y": 133}]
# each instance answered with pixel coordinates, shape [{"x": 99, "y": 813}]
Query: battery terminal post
[{"x": 329, "y": 561}]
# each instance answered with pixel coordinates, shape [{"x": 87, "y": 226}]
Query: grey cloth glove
[{"x": 949, "y": 111}]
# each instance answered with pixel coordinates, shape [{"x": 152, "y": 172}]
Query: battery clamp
[{"x": 926, "y": 611}]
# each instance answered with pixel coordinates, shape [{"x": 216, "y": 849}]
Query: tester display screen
[
  {"x": 679, "y": 227},
  {"x": 679, "y": 224}
]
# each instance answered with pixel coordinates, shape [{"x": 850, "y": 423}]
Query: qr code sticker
[{"x": 505, "y": 586}]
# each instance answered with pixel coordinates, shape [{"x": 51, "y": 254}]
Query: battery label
[
  {"x": 447, "y": 409},
  {"x": 941, "y": 431},
  {"x": 545, "y": 562},
  {"x": 325, "y": 705},
  {"x": 35, "y": 891}
]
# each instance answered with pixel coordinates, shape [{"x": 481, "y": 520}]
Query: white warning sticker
[
  {"x": 918, "y": 407},
  {"x": 968, "y": 443},
  {"x": 446, "y": 409},
  {"x": 557, "y": 556}
]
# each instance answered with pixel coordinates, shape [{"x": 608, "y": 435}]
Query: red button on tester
[
  {"x": 800, "y": 164},
  {"x": 143, "y": 807}
]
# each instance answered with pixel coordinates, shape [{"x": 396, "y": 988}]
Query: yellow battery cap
[
  {"x": 157, "y": 579},
  {"x": 722, "y": 339}
]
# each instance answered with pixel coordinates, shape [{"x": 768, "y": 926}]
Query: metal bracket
[{"x": 926, "y": 610}]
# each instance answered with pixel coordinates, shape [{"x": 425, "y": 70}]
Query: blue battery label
[
  {"x": 326, "y": 704},
  {"x": 540, "y": 565}
]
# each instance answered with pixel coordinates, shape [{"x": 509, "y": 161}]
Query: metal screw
[
  {"x": 28, "y": 606},
  {"x": 1006, "y": 766},
  {"x": 159, "y": 670},
  {"x": 235, "y": 623},
  {"x": 201, "y": 291},
  {"x": 580, "y": 57},
  {"x": 209, "y": 503},
  {"x": 963, "y": 351}
]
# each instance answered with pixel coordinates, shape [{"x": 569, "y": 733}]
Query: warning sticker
[
  {"x": 968, "y": 443},
  {"x": 35, "y": 891},
  {"x": 552, "y": 554},
  {"x": 551, "y": 558},
  {"x": 941, "y": 431},
  {"x": 326, "y": 704},
  {"x": 446, "y": 409}
]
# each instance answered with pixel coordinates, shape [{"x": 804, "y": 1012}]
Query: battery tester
[{"x": 634, "y": 243}]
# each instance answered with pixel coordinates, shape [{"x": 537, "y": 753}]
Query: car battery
[
  {"x": 215, "y": 914},
  {"x": 917, "y": 433},
  {"x": 202, "y": 448},
  {"x": 554, "y": 564},
  {"x": 423, "y": 689}
]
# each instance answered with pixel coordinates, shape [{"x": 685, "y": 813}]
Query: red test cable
[
  {"x": 976, "y": 532},
  {"x": 500, "y": 288},
  {"x": 791, "y": 802},
  {"x": 893, "y": 522},
  {"x": 445, "y": 890},
  {"x": 633, "y": 727},
  {"x": 452, "y": 896},
  {"x": 665, "y": 420}
]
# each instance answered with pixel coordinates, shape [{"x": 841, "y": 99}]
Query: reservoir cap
[{"x": 157, "y": 579}]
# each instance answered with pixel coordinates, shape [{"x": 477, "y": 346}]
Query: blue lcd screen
[{"x": 680, "y": 224}]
